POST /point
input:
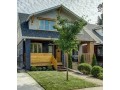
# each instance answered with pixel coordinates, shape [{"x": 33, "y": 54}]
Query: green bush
[
  {"x": 96, "y": 70},
  {"x": 49, "y": 68},
  {"x": 100, "y": 76},
  {"x": 44, "y": 68},
  {"x": 34, "y": 68},
  {"x": 85, "y": 68},
  {"x": 82, "y": 59},
  {"x": 94, "y": 60},
  {"x": 70, "y": 61},
  {"x": 40, "y": 68}
]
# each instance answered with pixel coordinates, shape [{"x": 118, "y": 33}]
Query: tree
[
  {"x": 100, "y": 18},
  {"x": 94, "y": 60},
  {"x": 67, "y": 40},
  {"x": 82, "y": 59},
  {"x": 100, "y": 21},
  {"x": 70, "y": 60}
]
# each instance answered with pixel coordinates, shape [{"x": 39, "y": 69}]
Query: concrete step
[{"x": 61, "y": 68}]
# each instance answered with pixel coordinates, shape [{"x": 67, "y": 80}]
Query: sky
[{"x": 86, "y": 8}]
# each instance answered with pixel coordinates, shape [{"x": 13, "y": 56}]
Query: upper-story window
[{"x": 46, "y": 25}]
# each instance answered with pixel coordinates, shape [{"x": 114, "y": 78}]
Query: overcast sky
[{"x": 80, "y": 7}]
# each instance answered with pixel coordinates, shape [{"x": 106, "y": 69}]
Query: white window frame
[{"x": 33, "y": 50}]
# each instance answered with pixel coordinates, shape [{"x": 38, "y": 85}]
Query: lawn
[{"x": 53, "y": 80}]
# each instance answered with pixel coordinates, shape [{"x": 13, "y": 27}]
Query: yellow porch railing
[
  {"x": 43, "y": 59},
  {"x": 54, "y": 62}
]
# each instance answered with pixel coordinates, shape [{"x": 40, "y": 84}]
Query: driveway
[{"x": 26, "y": 82}]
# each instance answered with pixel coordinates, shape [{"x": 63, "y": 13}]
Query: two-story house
[{"x": 36, "y": 35}]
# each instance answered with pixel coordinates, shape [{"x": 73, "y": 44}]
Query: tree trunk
[{"x": 66, "y": 54}]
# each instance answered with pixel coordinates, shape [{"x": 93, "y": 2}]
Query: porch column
[
  {"x": 90, "y": 49},
  {"x": 27, "y": 54}
]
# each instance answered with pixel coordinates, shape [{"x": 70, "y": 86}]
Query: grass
[{"x": 53, "y": 80}]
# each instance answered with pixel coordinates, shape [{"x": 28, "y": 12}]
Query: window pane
[
  {"x": 35, "y": 48},
  {"x": 39, "y": 47},
  {"x": 31, "y": 48},
  {"x": 46, "y": 25},
  {"x": 50, "y": 49},
  {"x": 51, "y": 25},
  {"x": 42, "y": 24}
]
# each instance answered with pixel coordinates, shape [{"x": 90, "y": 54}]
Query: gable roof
[
  {"x": 50, "y": 9},
  {"x": 91, "y": 30},
  {"x": 79, "y": 7}
]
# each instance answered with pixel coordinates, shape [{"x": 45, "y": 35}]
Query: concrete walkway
[
  {"x": 87, "y": 78},
  {"x": 94, "y": 88},
  {"x": 26, "y": 82}
]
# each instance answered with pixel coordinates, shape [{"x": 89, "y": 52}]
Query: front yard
[{"x": 53, "y": 80}]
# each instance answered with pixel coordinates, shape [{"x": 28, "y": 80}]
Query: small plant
[
  {"x": 34, "y": 68},
  {"x": 44, "y": 68},
  {"x": 82, "y": 59},
  {"x": 40, "y": 68},
  {"x": 49, "y": 68},
  {"x": 100, "y": 76},
  {"x": 96, "y": 70},
  {"x": 94, "y": 60},
  {"x": 85, "y": 68}
]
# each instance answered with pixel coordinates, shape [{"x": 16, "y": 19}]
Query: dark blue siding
[
  {"x": 37, "y": 33},
  {"x": 20, "y": 55},
  {"x": 27, "y": 54}
]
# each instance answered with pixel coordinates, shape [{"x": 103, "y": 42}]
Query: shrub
[
  {"x": 50, "y": 67},
  {"x": 94, "y": 60},
  {"x": 44, "y": 68},
  {"x": 69, "y": 61},
  {"x": 85, "y": 68},
  {"x": 34, "y": 68},
  {"x": 82, "y": 59},
  {"x": 100, "y": 76},
  {"x": 96, "y": 70},
  {"x": 40, "y": 68}
]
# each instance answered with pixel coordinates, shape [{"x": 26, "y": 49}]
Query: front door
[{"x": 58, "y": 55}]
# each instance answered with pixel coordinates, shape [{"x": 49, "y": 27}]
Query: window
[
  {"x": 100, "y": 51},
  {"x": 50, "y": 49},
  {"x": 46, "y": 25},
  {"x": 36, "y": 47},
  {"x": 42, "y": 23}
]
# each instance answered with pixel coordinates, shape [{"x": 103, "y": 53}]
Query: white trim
[{"x": 40, "y": 38}]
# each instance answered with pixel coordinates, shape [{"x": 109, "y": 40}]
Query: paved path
[
  {"x": 94, "y": 88},
  {"x": 90, "y": 79},
  {"x": 26, "y": 82},
  {"x": 87, "y": 78}
]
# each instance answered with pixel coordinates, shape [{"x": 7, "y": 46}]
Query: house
[
  {"x": 35, "y": 45},
  {"x": 96, "y": 32}
]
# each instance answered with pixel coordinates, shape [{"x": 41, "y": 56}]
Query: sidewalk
[
  {"x": 25, "y": 82},
  {"x": 94, "y": 88}
]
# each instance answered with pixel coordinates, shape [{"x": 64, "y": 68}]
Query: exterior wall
[
  {"x": 51, "y": 14},
  {"x": 27, "y": 54},
  {"x": 19, "y": 32},
  {"x": 20, "y": 55}
]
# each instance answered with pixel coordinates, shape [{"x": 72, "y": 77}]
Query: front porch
[{"x": 41, "y": 53}]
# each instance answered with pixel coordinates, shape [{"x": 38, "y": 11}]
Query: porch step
[{"x": 61, "y": 68}]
